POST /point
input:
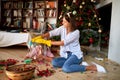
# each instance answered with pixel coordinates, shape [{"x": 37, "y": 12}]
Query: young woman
[{"x": 70, "y": 52}]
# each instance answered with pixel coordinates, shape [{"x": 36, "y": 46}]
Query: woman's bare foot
[{"x": 91, "y": 68}]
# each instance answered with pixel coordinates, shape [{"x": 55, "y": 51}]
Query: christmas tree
[{"x": 87, "y": 19}]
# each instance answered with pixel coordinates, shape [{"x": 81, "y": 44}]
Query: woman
[{"x": 70, "y": 52}]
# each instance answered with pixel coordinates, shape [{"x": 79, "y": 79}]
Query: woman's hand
[
  {"x": 39, "y": 40},
  {"x": 46, "y": 35}
]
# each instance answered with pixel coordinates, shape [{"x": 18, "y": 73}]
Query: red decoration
[
  {"x": 77, "y": 3},
  {"x": 8, "y": 62},
  {"x": 89, "y": 12},
  {"x": 79, "y": 23},
  {"x": 91, "y": 40},
  {"x": 106, "y": 38},
  {"x": 45, "y": 73}
]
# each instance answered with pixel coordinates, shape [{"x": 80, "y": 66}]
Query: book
[
  {"x": 20, "y": 5},
  {"x": 40, "y": 12},
  {"x": 19, "y": 23},
  {"x": 7, "y": 13},
  {"x": 25, "y": 24},
  {"x": 7, "y": 5},
  {"x": 15, "y": 22},
  {"x": 28, "y": 22},
  {"x": 36, "y": 24},
  {"x": 15, "y": 13},
  {"x": 8, "y": 22},
  {"x": 52, "y": 4},
  {"x": 27, "y": 13},
  {"x": 30, "y": 5},
  {"x": 20, "y": 13},
  {"x": 51, "y": 13},
  {"x": 51, "y": 26},
  {"x": 15, "y": 5},
  {"x": 39, "y": 5}
]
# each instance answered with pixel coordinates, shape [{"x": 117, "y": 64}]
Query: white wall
[
  {"x": 114, "y": 41},
  {"x": 0, "y": 11},
  {"x": 103, "y": 3}
]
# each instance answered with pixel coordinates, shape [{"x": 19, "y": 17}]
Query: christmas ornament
[
  {"x": 77, "y": 18},
  {"x": 74, "y": 12},
  {"x": 91, "y": 40},
  {"x": 68, "y": 7},
  {"x": 106, "y": 38}
]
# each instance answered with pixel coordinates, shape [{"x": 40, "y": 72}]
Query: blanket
[{"x": 9, "y": 39}]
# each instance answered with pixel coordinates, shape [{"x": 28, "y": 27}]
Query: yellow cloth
[
  {"x": 42, "y": 41},
  {"x": 38, "y": 37}
]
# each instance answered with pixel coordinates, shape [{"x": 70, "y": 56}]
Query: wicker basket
[{"x": 19, "y": 75}]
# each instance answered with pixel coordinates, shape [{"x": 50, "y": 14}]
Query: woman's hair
[{"x": 71, "y": 19}]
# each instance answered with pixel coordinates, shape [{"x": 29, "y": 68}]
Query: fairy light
[
  {"x": 99, "y": 30},
  {"x": 81, "y": 6},
  {"x": 89, "y": 24},
  {"x": 74, "y": 1},
  {"x": 95, "y": 15},
  {"x": 65, "y": 5},
  {"x": 99, "y": 18},
  {"x": 83, "y": 3}
]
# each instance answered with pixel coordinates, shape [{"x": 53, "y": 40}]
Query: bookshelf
[{"x": 28, "y": 14}]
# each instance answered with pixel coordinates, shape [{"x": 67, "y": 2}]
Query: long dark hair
[{"x": 71, "y": 19}]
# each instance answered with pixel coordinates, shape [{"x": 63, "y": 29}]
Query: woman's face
[{"x": 65, "y": 22}]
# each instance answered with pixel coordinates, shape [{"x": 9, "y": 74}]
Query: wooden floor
[{"x": 113, "y": 69}]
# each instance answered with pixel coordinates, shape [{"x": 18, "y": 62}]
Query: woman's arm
[{"x": 57, "y": 43}]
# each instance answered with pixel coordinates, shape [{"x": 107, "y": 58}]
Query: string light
[
  {"x": 74, "y": 1},
  {"x": 99, "y": 30},
  {"x": 65, "y": 5},
  {"x": 99, "y": 18},
  {"x": 92, "y": 0},
  {"x": 89, "y": 24},
  {"x": 83, "y": 3},
  {"x": 68, "y": 7},
  {"x": 95, "y": 15},
  {"x": 60, "y": 16},
  {"x": 81, "y": 6}
]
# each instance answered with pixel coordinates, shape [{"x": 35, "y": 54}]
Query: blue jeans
[{"x": 71, "y": 64}]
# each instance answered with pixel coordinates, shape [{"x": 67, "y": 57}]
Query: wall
[
  {"x": 114, "y": 40},
  {"x": 0, "y": 11}
]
